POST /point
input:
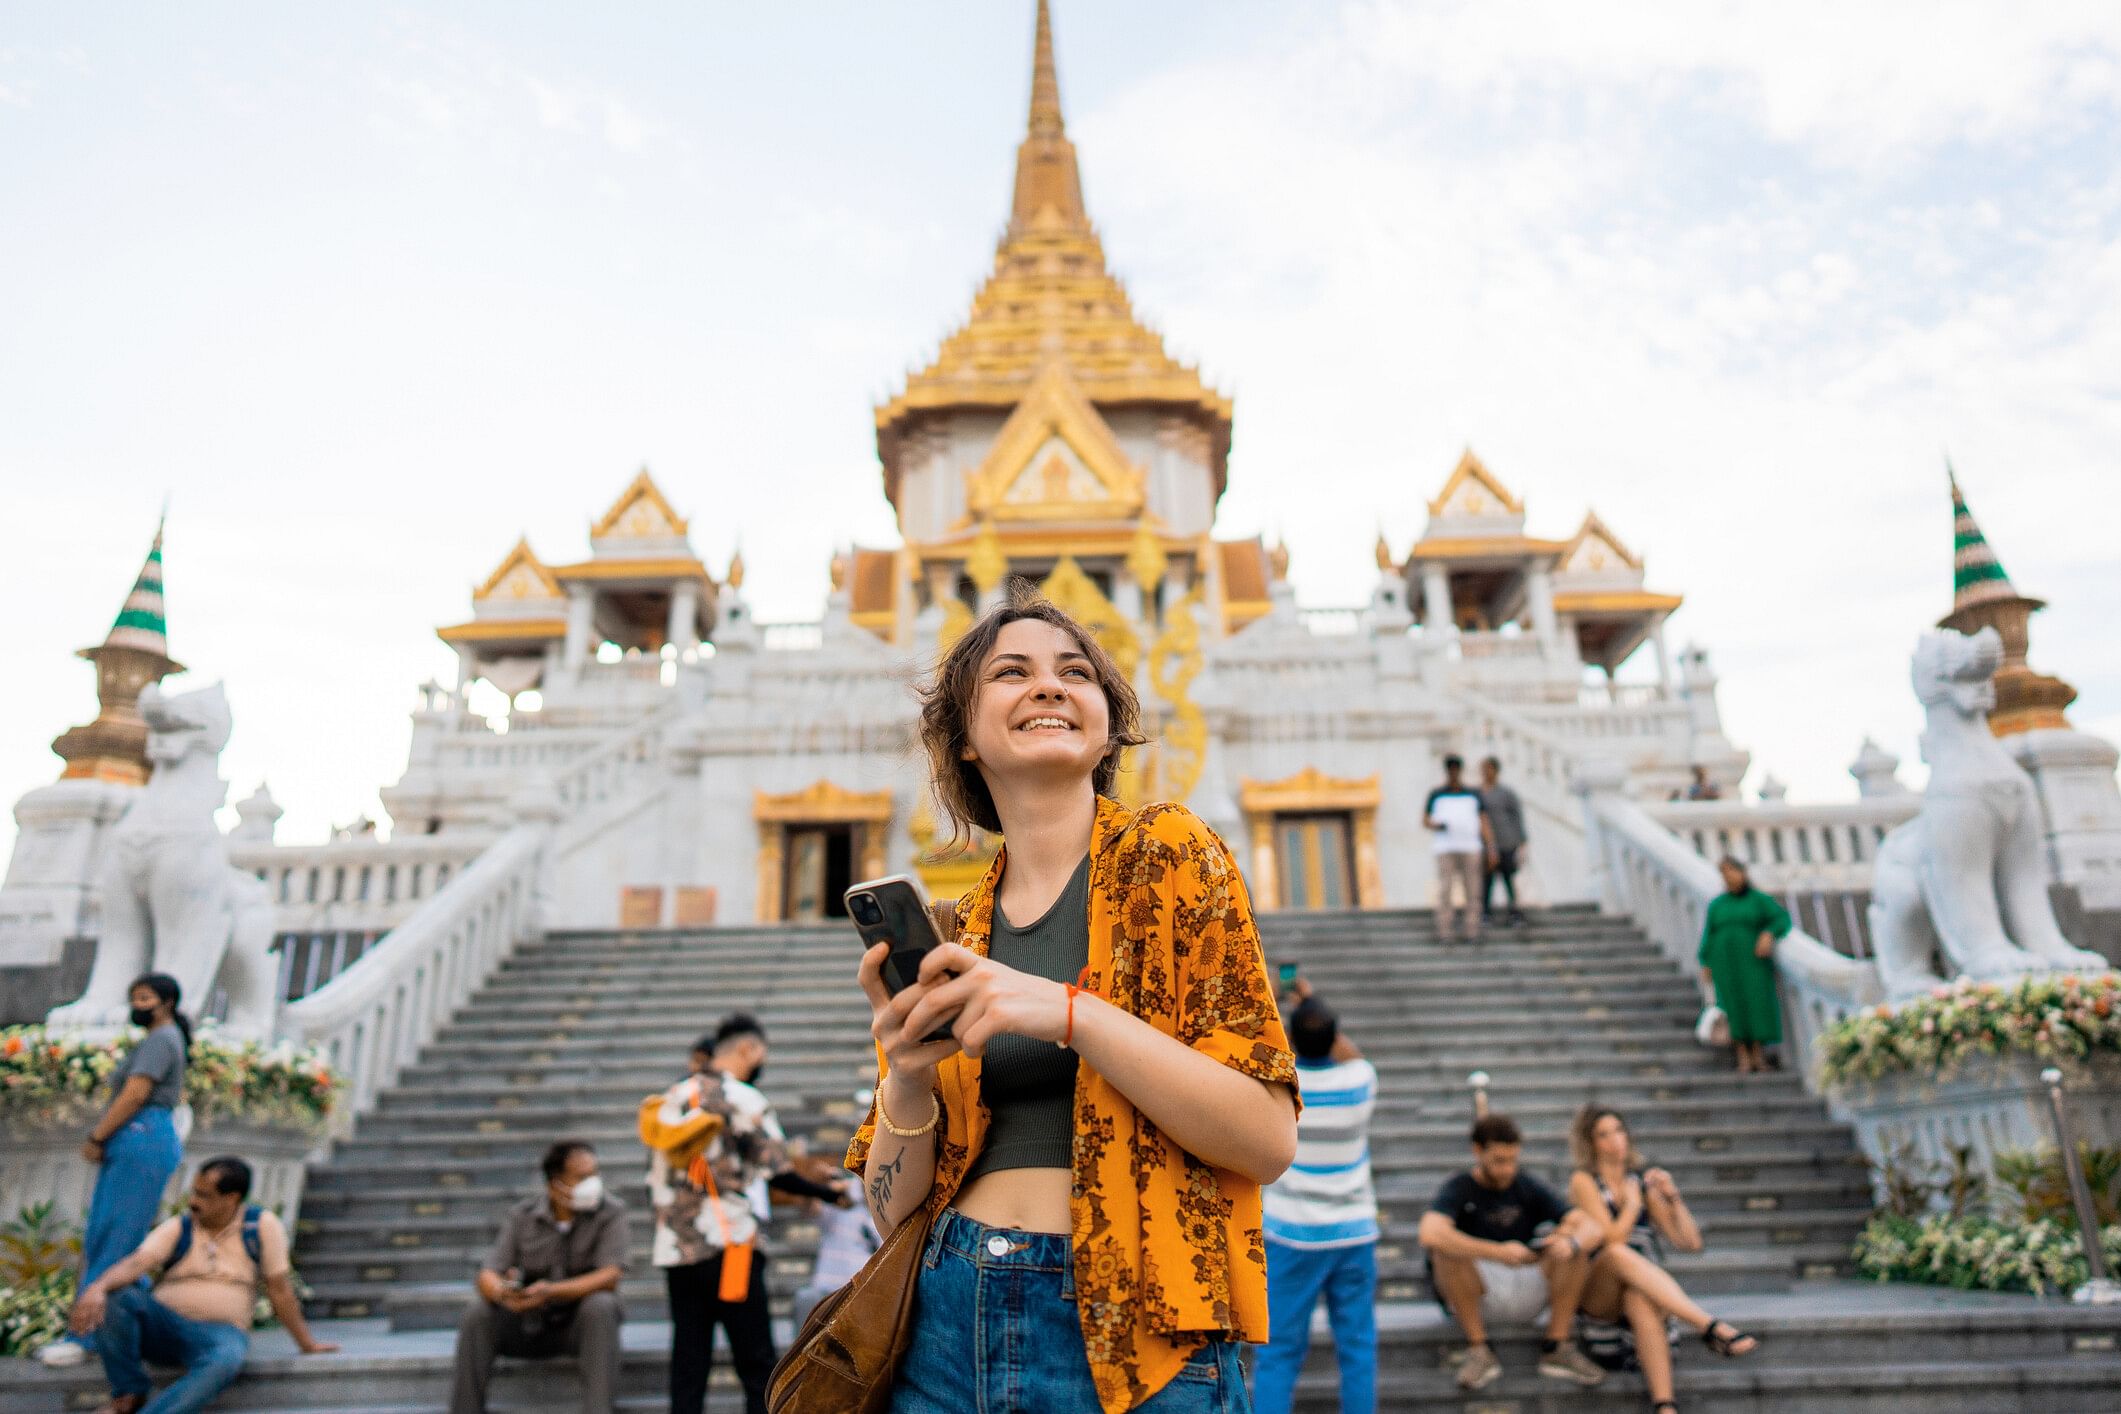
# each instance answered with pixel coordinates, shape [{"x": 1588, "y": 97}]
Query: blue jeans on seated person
[
  {"x": 1296, "y": 1278},
  {"x": 996, "y": 1332},
  {"x": 137, "y": 1328}
]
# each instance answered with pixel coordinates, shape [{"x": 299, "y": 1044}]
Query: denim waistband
[{"x": 1023, "y": 1251}]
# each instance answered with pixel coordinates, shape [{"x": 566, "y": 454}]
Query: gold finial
[
  {"x": 736, "y": 569},
  {"x": 1384, "y": 552},
  {"x": 839, "y": 571},
  {"x": 1146, "y": 560},
  {"x": 1278, "y": 560},
  {"x": 1046, "y": 175},
  {"x": 987, "y": 562}
]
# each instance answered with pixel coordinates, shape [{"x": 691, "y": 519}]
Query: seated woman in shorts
[{"x": 1636, "y": 1208}]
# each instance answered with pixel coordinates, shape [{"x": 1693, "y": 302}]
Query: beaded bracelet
[{"x": 935, "y": 1114}]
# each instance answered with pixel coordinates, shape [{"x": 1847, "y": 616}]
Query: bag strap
[
  {"x": 253, "y": 1245},
  {"x": 176, "y": 1254}
]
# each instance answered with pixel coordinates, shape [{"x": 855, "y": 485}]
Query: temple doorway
[
  {"x": 1317, "y": 866},
  {"x": 819, "y": 870}
]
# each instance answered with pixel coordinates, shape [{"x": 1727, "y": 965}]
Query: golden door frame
[
  {"x": 822, "y": 803},
  {"x": 1311, "y": 791}
]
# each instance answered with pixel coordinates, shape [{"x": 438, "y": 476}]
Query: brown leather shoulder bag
[{"x": 847, "y": 1353}]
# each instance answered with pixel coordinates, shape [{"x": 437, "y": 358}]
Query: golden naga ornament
[
  {"x": 987, "y": 563},
  {"x": 1146, "y": 561},
  {"x": 1174, "y": 662}
]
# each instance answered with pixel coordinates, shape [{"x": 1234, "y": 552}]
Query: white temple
[{"x": 701, "y": 768}]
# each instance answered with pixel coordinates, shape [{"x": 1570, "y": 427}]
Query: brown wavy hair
[
  {"x": 948, "y": 697},
  {"x": 1583, "y": 1151}
]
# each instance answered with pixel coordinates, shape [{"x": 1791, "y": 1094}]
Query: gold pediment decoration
[
  {"x": 1055, "y": 458},
  {"x": 1309, "y": 789},
  {"x": 1472, "y": 490},
  {"x": 640, "y": 513},
  {"x": 1594, "y": 549},
  {"x": 821, "y": 803},
  {"x": 521, "y": 575}
]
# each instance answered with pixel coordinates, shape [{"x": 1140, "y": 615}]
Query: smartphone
[
  {"x": 1287, "y": 975},
  {"x": 894, "y": 910}
]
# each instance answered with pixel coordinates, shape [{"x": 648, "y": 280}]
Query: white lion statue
[
  {"x": 1968, "y": 876},
  {"x": 171, "y": 901}
]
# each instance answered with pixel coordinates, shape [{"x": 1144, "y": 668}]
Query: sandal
[
  {"x": 1726, "y": 1345},
  {"x": 1671, "y": 1404}
]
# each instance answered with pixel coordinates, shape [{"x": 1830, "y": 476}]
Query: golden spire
[
  {"x": 1049, "y": 189},
  {"x": 1051, "y": 299}
]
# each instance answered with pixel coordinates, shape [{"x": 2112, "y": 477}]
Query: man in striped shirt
[{"x": 1322, "y": 1220}]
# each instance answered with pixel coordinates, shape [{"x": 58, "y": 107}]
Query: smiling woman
[{"x": 1091, "y": 1137}]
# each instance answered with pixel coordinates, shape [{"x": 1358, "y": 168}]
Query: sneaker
[
  {"x": 63, "y": 1355},
  {"x": 1479, "y": 1369},
  {"x": 1568, "y": 1362}
]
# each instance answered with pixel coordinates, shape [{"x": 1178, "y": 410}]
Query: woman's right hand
[{"x": 910, "y": 1060}]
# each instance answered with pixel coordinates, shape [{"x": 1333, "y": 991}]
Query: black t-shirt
[{"x": 1510, "y": 1214}]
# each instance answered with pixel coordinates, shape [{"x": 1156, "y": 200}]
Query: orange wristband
[{"x": 1075, "y": 987}]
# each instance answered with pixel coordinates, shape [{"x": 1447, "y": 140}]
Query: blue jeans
[
  {"x": 137, "y": 1163},
  {"x": 1296, "y": 1278},
  {"x": 995, "y": 1333},
  {"x": 137, "y": 1328}
]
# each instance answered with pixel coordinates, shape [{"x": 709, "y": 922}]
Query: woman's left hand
[
  {"x": 92, "y": 1151},
  {"x": 1765, "y": 947},
  {"x": 1659, "y": 1182},
  {"x": 987, "y": 999}
]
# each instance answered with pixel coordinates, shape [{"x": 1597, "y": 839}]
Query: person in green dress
[{"x": 1738, "y": 959}]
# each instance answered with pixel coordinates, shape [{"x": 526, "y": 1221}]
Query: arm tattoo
[{"x": 880, "y": 1186}]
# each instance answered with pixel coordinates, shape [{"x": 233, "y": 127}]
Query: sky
[{"x": 365, "y": 292}]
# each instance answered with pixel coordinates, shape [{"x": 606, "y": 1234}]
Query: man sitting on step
[
  {"x": 1489, "y": 1263},
  {"x": 550, "y": 1286},
  {"x": 198, "y": 1315}
]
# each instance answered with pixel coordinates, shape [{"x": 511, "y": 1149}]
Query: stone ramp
[{"x": 1826, "y": 1346}]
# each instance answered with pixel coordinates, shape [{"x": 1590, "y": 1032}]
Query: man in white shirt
[
  {"x": 198, "y": 1316},
  {"x": 1464, "y": 841},
  {"x": 1321, "y": 1220}
]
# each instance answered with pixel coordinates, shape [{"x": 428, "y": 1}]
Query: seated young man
[
  {"x": 198, "y": 1315},
  {"x": 1489, "y": 1263},
  {"x": 550, "y": 1286}
]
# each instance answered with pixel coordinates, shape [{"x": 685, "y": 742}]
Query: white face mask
[{"x": 587, "y": 1194}]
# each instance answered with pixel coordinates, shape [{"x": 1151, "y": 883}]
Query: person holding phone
[{"x": 1092, "y": 1133}]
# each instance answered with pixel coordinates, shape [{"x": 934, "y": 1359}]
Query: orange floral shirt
[{"x": 1168, "y": 1249}]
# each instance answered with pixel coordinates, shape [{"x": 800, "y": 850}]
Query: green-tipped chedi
[{"x": 133, "y": 654}]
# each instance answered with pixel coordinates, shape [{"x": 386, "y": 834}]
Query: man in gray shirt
[
  {"x": 550, "y": 1286},
  {"x": 1506, "y": 813}
]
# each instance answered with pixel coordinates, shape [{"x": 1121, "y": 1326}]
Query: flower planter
[
  {"x": 268, "y": 1105},
  {"x": 1990, "y": 1104},
  {"x": 41, "y": 1162}
]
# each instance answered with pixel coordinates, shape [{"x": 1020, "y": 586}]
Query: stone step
[
  {"x": 1999, "y": 1354},
  {"x": 426, "y": 1294}
]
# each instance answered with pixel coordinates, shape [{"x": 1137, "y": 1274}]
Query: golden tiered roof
[{"x": 1051, "y": 300}]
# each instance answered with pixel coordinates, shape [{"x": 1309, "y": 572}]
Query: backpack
[{"x": 253, "y": 1247}]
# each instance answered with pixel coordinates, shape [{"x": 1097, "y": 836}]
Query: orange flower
[{"x": 14, "y": 1045}]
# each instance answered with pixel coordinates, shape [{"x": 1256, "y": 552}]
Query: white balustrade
[
  {"x": 1331, "y": 622},
  {"x": 1791, "y": 848},
  {"x": 1597, "y": 719},
  {"x": 372, "y": 1019},
  {"x": 801, "y": 637},
  {"x": 358, "y": 885},
  {"x": 1649, "y": 874}
]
